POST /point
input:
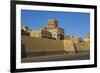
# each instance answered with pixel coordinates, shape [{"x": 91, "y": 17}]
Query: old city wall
[
  {"x": 42, "y": 46},
  {"x": 32, "y": 47},
  {"x": 83, "y": 47},
  {"x": 69, "y": 46}
]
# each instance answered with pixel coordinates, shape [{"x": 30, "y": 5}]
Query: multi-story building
[
  {"x": 52, "y": 27},
  {"x": 51, "y": 31}
]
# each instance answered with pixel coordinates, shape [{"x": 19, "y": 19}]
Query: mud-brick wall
[
  {"x": 83, "y": 47},
  {"x": 40, "y": 46},
  {"x": 69, "y": 46}
]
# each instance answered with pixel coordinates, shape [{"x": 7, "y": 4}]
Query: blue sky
[{"x": 73, "y": 23}]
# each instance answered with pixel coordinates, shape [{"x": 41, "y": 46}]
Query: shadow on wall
[
  {"x": 23, "y": 52},
  {"x": 75, "y": 48}
]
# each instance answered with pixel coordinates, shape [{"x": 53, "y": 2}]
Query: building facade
[{"x": 51, "y": 31}]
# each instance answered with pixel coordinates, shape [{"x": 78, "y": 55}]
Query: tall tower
[{"x": 53, "y": 23}]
